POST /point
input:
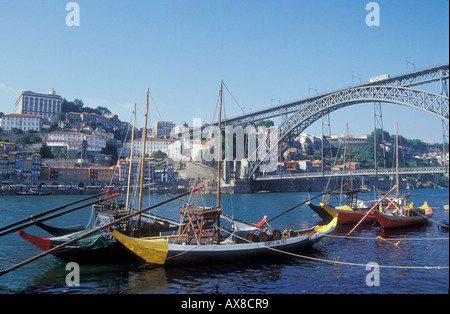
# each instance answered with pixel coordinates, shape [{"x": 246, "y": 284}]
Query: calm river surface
[{"x": 419, "y": 247}]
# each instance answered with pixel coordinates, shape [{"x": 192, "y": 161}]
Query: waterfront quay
[{"x": 76, "y": 189}]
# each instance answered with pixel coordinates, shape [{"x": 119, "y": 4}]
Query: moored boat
[
  {"x": 175, "y": 250},
  {"x": 30, "y": 192},
  {"x": 96, "y": 248},
  {"x": 404, "y": 217},
  {"x": 99, "y": 247},
  {"x": 443, "y": 224},
  {"x": 59, "y": 231}
]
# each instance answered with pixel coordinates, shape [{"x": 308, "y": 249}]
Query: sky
[{"x": 267, "y": 53}]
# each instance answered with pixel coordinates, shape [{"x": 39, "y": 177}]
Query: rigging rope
[
  {"x": 392, "y": 239},
  {"x": 343, "y": 263}
]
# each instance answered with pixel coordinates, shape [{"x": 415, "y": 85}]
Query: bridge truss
[{"x": 398, "y": 89}]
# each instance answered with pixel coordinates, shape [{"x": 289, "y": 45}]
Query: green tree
[
  {"x": 159, "y": 154},
  {"x": 102, "y": 110},
  {"x": 61, "y": 116},
  {"x": 16, "y": 131},
  {"x": 266, "y": 123},
  {"x": 45, "y": 151}
]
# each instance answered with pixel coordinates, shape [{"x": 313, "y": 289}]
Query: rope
[
  {"x": 392, "y": 239},
  {"x": 344, "y": 263},
  {"x": 335, "y": 262}
]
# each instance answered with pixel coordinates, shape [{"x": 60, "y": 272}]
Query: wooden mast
[
  {"x": 349, "y": 160},
  {"x": 396, "y": 164},
  {"x": 131, "y": 160},
  {"x": 219, "y": 145},
  {"x": 141, "y": 184}
]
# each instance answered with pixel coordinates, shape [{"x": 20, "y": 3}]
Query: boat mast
[
  {"x": 141, "y": 183},
  {"x": 349, "y": 160},
  {"x": 131, "y": 160},
  {"x": 397, "y": 171},
  {"x": 219, "y": 145}
]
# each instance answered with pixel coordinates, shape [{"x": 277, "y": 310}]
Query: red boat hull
[
  {"x": 352, "y": 218},
  {"x": 388, "y": 221}
]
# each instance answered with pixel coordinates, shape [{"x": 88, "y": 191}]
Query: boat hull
[
  {"x": 323, "y": 213},
  {"x": 388, "y": 221},
  {"x": 164, "y": 251},
  {"x": 345, "y": 217},
  {"x": 213, "y": 254},
  {"x": 59, "y": 231},
  {"x": 95, "y": 252},
  {"x": 352, "y": 218}
]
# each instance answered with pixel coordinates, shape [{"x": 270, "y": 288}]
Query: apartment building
[
  {"x": 24, "y": 122},
  {"x": 152, "y": 145},
  {"x": 75, "y": 141},
  {"x": 162, "y": 128}
]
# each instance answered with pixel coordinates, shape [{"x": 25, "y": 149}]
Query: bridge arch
[{"x": 435, "y": 104}]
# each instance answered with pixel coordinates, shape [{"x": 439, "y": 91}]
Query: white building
[
  {"x": 74, "y": 141},
  {"x": 94, "y": 143},
  {"x": 46, "y": 106},
  {"x": 24, "y": 122},
  {"x": 152, "y": 145}
]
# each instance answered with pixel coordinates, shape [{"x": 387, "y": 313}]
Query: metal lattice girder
[
  {"x": 435, "y": 104},
  {"x": 429, "y": 75},
  {"x": 361, "y": 172},
  {"x": 418, "y": 77}
]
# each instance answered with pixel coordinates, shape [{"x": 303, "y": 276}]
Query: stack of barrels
[{"x": 256, "y": 235}]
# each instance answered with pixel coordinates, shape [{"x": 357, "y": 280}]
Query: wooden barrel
[
  {"x": 157, "y": 225},
  {"x": 272, "y": 234},
  {"x": 243, "y": 236},
  {"x": 259, "y": 235}
]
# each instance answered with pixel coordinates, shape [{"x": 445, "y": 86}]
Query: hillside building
[{"x": 46, "y": 106}]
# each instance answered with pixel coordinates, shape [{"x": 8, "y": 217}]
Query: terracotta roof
[
  {"x": 22, "y": 115},
  {"x": 74, "y": 133}
]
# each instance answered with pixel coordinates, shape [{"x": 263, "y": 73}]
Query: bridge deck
[{"x": 359, "y": 172}]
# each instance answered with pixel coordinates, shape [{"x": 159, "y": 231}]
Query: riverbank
[
  {"x": 235, "y": 187},
  {"x": 89, "y": 190}
]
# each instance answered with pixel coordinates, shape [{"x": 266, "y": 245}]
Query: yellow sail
[{"x": 151, "y": 250}]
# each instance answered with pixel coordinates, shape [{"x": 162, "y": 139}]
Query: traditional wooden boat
[
  {"x": 350, "y": 213},
  {"x": 96, "y": 248},
  {"x": 399, "y": 212},
  {"x": 60, "y": 231},
  {"x": 404, "y": 217},
  {"x": 444, "y": 224},
  {"x": 32, "y": 192},
  {"x": 99, "y": 247},
  {"x": 348, "y": 216},
  {"x": 202, "y": 243}
]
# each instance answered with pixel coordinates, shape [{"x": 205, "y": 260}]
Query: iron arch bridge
[
  {"x": 313, "y": 110},
  {"x": 426, "y": 76}
]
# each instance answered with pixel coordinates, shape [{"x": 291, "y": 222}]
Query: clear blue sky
[{"x": 265, "y": 51}]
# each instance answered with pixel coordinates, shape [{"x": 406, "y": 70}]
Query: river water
[{"x": 335, "y": 265}]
